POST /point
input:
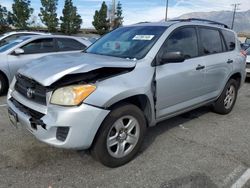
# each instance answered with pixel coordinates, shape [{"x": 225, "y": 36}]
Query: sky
[{"x": 135, "y": 11}]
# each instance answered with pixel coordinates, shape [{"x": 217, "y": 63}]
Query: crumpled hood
[{"x": 49, "y": 69}]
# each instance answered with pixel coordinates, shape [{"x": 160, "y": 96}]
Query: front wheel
[
  {"x": 227, "y": 99},
  {"x": 120, "y": 136}
]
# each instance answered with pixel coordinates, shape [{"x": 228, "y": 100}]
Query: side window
[
  {"x": 65, "y": 44},
  {"x": 39, "y": 46},
  {"x": 183, "y": 40},
  {"x": 230, "y": 39},
  {"x": 210, "y": 41}
]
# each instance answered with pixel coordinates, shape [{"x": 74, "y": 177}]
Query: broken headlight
[{"x": 71, "y": 95}]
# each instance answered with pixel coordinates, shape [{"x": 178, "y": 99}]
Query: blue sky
[{"x": 141, "y": 10}]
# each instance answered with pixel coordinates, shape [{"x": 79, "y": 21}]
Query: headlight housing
[{"x": 71, "y": 95}]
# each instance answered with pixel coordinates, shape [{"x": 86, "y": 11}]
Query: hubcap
[
  {"x": 123, "y": 136},
  {"x": 230, "y": 97}
]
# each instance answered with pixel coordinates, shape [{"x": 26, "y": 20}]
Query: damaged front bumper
[{"x": 63, "y": 127}]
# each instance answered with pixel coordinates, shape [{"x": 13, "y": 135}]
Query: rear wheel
[
  {"x": 120, "y": 136},
  {"x": 226, "y": 101},
  {"x": 3, "y": 84}
]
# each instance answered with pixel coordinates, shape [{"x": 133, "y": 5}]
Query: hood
[{"x": 49, "y": 69}]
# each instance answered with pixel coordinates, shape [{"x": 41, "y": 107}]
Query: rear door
[
  {"x": 179, "y": 85},
  {"x": 219, "y": 63},
  {"x": 32, "y": 50}
]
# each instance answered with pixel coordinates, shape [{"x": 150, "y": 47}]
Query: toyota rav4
[{"x": 104, "y": 98}]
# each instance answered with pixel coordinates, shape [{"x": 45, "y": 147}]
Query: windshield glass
[
  {"x": 11, "y": 44},
  {"x": 128, "y": 42}
]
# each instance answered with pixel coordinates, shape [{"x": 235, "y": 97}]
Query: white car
[
  {"x": 21, "y": 51},
  {"x": 7, "y": 37}
]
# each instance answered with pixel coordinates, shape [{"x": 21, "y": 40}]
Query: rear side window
[
  {"x": 183, "y": 40},
  {"x": 65, "y": 44},
  {"x": 210, "y": 41},
  {"x": 230, "y": 39},
  {"x": 39, "y": 46}
]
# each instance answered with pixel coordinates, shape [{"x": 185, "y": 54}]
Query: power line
[{"x": 235, "y": 8}]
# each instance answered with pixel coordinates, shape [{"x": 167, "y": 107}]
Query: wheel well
[
  {"x": 5, "y": 77},
  {"x": 141, "y": 101},
  {"x": 237, "y": 77}
]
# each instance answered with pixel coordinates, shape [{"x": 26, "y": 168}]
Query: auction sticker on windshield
[{"x": 143, "y": 37}]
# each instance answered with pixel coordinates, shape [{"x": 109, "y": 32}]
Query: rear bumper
[{"x": 82, "y": 123}]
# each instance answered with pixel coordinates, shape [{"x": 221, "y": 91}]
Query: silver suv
[{"x": 132, "y": 78}]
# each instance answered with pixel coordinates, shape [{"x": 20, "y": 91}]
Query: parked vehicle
[
  {"x": 132, "y": 78},
  {"x": 7, "y": 37},
  {"x": 248, "y": 62},
  {"x": 21, "y": 51}
]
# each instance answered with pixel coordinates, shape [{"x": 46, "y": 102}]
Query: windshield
[
  {"x": 128, "y": 42},
  {"x": 11, "y": 44}
]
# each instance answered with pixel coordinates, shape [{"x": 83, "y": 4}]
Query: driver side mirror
[
  {"x": 18, "y": 51},
  {"x": 172, "y": 57}
]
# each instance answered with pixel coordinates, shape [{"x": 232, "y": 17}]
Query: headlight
[{"x": 71, "y": 95}]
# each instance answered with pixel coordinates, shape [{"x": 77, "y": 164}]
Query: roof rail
[{"x": 200, "y": 20}]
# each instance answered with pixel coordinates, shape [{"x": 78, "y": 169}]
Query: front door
[{"x": 180, "y": 85}]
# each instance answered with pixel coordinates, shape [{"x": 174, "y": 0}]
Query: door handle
[
  {"x": 200, "y": 67},
  {"x": 229, "y": 61}
]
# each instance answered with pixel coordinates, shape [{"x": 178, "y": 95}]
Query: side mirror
[
  {"x": 18, "y": 51},
  {"x": 172, "y": 57}
]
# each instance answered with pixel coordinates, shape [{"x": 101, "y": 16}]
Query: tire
[
  {"x": 3, "y": 85},
  {"x": 229, "y": 94},
  {"x": 124, "y": 128}
]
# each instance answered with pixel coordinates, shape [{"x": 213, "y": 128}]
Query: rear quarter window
[
  {"x": 229, "y": 39},
  {"x": 210, "y": 40}
]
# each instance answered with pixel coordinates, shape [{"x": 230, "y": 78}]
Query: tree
[
  {"x": 101, "y": 23},
  {"x": 71, "y": 20},
  {"x": 5, "y": 19},
  {"x": 21, "y": 13},
  {"x": 118, "y": 21},
  {"x": 48, "y": 14}
]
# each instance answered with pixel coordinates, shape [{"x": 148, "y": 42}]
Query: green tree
[
  {"x": 5, "y": 19},
  {"x": 101, "y": 23},
  {"x": 71, "y": 20},
  {"x": 21, "y": 13},
  {"x": 118, "y": 21},
  {"x": 48, "y": 14}
]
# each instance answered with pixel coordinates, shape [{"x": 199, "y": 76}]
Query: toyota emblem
[{"x": 30, "y": 93}]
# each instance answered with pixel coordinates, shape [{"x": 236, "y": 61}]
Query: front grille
[
  {"x": 32, "y": 113},
  {"x": 24, "y": 84},
  {"x": 62, "y": 133},
  {"x": 248, "y": 65}
]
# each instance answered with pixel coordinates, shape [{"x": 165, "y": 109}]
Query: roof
[{"x": 190, "y": 21}]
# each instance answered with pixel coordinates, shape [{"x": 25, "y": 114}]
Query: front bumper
[{"x": 82, "y": 122}]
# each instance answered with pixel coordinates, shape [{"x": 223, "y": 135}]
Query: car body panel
[{"x": 69, "y": 64}]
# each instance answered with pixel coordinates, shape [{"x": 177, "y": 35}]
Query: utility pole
[
  {"x": 166, "y": 17},
  {"x": 235, "y": 8},
  {"x": 112, "y": 16}
]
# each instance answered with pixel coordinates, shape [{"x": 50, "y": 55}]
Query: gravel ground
[{"x": 197, "y": 149}]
